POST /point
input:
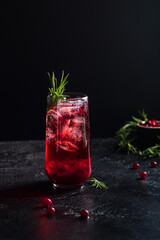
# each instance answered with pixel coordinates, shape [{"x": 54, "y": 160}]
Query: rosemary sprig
[
  {"x": 96, "y": 183},
  {"x": 153, "y": 151},
  {"x": 56, "y": 92},
  {"x": 127, "y": 134}
]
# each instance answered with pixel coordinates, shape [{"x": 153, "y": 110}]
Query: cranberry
[
  {"x": 135, "y": 165},
  {"x": 154, "y": 122},
  {"x": 84, "y": 214},
  {"x": 143, "y": 175},
  {"x": 141, "y": 124},
  {"x": 154, "y": 164},
  {"x": 149, "y": 122},
  {"x": 145, "y": 124},
  {"x": 46, "y": 202},
  {"x": 50, "y": 211}
]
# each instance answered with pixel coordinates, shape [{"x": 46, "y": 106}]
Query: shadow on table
[
  {"x": 39, "y": 189},
  {"x": 27, "y": 190}
]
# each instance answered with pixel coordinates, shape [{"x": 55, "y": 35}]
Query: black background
[{"x": 110, "y": 48}]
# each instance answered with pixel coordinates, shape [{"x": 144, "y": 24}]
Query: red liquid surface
[{"x": 67, "y": 153}]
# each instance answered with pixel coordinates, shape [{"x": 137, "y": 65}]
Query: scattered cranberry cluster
[
  {"x": 143, "y": 175},
  {"x": 150, "y": 123},
  {"x": 50, "y": 210},
  {"x": 47, "y": 203}
]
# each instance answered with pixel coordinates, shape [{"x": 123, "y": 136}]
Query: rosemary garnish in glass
[{"x": 56, "y": 92}]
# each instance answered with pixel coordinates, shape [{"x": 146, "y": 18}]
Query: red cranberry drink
[{"x": 67, "y": 152}]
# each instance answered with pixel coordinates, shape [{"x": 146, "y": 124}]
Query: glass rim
[
  {"x": 73, "y": 96},
  {"x": 76, "y": 94}
]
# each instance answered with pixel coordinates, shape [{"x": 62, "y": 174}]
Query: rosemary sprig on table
[
  {"x": 127, "y": 135},
  {"x": 96, "y": 183},
  {"x": 56, "y": 92},
  {"x": 153, "y": 151}
]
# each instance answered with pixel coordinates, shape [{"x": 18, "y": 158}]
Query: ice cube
[
  {"x": 67, "y": 146},
  {"x": 76, "y": 134},
  {"x": 84, "y": 106},
  {"x": 52, "y": 116},
  {"x": 78, "y": 121},
  {"x": 66, "y": 123},
  {"x": 65, "y": 110},
  {"x": 64, "y": 128},
  {"x": 50, "y": 135}
]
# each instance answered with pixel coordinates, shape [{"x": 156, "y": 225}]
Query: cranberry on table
[
  {"x": 143, "y": 175},
  {"x": 154, "y": 164},
  {"x": 84, "y": 214},
  {"x": 46, "y": 202},
  {"x": 135, "y": 165},
  {"x": 50, "y": 211}
]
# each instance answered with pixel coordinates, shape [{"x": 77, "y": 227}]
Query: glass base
[{"x": 67, "y": 186}]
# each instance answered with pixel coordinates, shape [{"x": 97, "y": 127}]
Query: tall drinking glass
[{"x": 68, "y": 162}]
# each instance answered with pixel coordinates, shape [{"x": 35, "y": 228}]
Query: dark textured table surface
[{"x": 129, "y": 209}]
